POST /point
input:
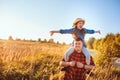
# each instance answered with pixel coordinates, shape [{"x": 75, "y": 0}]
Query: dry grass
[{"x": 22, "y": 60}]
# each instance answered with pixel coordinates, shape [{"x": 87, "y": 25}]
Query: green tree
[
  {"x": 109, "y": 48},
  {"x": 10, "y": 38},
  {"x": 39, "y": 39},
  {"x": 44, "y": 40},
  {"x": 58, "y": 42}
]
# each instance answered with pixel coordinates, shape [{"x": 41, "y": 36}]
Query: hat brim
[{"x": 75, "y": 22}]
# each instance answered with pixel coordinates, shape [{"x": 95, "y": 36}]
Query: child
[{"x": 78, "y": 32}]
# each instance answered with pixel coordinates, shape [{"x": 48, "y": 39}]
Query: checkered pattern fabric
[{"x": 75, "y": 73}]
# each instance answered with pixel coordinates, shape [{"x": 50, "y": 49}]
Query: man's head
[{"x": 78, "y": 44}]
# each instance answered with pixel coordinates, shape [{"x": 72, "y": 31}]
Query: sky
[{"x": 33, "y": 19}]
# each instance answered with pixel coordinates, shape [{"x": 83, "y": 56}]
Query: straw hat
[{"x": 78, "y": 20}]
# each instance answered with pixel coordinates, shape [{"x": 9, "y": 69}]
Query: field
[{"x": 30, "y": 60}]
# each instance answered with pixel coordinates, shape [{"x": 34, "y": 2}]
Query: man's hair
[{"x": 78, "y": 39}]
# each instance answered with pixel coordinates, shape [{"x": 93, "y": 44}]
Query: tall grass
[{"x": 22, "y": 60}]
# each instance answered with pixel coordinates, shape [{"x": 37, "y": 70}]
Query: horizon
[{"x": 22, "y": 39}]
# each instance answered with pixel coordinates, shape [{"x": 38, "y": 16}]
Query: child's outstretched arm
[
  {"x": 54, "y": 31},
  {"x": 92, "y": 31},
  {"x": 62, "y": 31}
]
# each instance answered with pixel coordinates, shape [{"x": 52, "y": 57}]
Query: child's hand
[
  {"x": 51, "y": 33},
  {"x": 99, "y": 32}
]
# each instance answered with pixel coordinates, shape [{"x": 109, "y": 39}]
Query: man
[{"x": 76, "y": 65}]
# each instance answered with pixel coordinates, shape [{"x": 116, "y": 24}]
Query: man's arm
[
  {"x": 81, "y": 65},
  {"x": 63, "y": 63},
  {"x": 71, "y": 63},
  {"x": 88, "y": 67}
]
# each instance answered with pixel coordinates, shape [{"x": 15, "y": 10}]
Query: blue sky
[{"x": 33, "y": 19}]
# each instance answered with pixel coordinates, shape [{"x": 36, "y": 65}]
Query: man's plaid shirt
[{"x": 75, "y": 73}]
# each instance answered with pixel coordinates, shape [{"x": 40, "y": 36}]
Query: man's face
[{"x": 78, "y": 46}]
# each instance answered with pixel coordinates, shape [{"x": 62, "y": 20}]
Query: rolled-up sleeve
[
  {"x": 66, "y": 31},
  {"x": 89, "y": 31}
]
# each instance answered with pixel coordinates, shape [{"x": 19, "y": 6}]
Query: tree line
[
  {"x": 108, "y": 47},
  {"x": 39, "y": 40}
]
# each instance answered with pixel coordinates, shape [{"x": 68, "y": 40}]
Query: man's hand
[
  {"x": 79, "y": 65},
  {"x": 51, "y": 33},
  {"x": 72, "y": 63}
]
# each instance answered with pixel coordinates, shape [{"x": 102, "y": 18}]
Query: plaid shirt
[{"x": 75, "y": 73}]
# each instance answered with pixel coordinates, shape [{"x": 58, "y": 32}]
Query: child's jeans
[{"x": 84, "y": 50}]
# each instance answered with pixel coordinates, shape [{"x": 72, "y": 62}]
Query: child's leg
[
  {"x": 87, "y": 54},
  {"x": 68, "y": 53}
]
